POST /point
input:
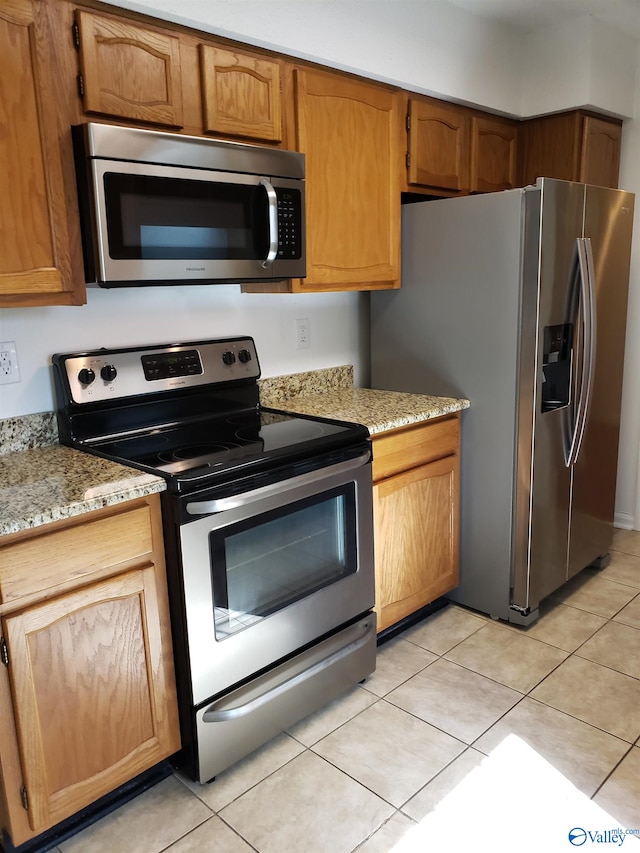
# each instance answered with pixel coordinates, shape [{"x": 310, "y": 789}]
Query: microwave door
[{"x": 165, "y": 224}]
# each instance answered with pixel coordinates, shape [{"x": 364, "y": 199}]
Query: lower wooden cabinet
[
  {"x": 416, "y": 475},
  {"x": 87, "y": 692}
]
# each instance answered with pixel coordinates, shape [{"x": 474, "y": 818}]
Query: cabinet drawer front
[
  {"x": 402, "y": 449},
  {"x": 72, "y": 553}
]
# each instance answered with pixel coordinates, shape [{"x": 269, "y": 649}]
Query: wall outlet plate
[
  {"x": 9, "y": 369},
  {"x": 303, "y": 333}
]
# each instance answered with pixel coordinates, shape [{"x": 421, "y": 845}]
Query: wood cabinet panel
[
  {"x": 90, "y": 705},
  {"x": 439, "y": 144},
  {"x": 398, "y": 450},
  {"x": 416, "y": 539},
  {"x": 600, "y": 152},
  {"x": 71, "y": 554},
  {"x": 129, "y": 71},
  {"x": 493, "y": 154},
  {"x": 349, "y": 131},
  {"x": 35, "y": 253},
  {"x": 240, "y": 94}
]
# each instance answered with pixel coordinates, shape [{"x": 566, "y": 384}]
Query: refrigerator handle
[{"x": 588, "y": 311}]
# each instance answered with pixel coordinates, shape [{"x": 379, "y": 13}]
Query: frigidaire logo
[{"x": 195, "y": 269}]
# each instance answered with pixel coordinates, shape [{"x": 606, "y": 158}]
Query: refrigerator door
[{"x": 608, "y": 223}]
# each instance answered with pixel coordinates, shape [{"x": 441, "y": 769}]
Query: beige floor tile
[
  {"x": 620, "y": 794},
  {"x": 213, "y": 836},
  {"x": 630, "y": 615},
  {"x": 230, "y": 784},
  {"x": 624, "y": 569},
  {"x": 582, "y": 753},
  {"x": 561, "y": 626},
  {"x": 426, "y": 800},
  {"x": 627, "y": 541},
  {"x": 389, "y": 834},
  {"x": 397, "y": 660},
  {"x": 150, "y": 822},
  {"x": 450, "y": 697},
  {"x": 307, "y": 806},
  {"x": 513, "y": 660},
  {"x": 324, "y": 721},
  {"x": 595, "y": 694},
  {"x": 445, "y": 629},
  {"x": 615, "y": 645},
  {"x": 391, "y": 752},
  {"x": 588, "y": 591}
]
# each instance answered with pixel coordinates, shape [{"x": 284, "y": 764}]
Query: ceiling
[{"x": 530, "y": 15}]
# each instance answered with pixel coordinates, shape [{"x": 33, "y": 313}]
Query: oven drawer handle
[
  {"x": 235, "y": 501},
  {"x": 211, "y": 715}
]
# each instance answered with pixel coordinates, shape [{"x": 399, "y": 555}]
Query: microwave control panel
[{"x": 289, "y": 224}]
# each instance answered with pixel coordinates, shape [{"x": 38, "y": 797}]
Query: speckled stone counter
[
  {"x": 330, "y": 394},
  {"x": 49, "y": 483}
]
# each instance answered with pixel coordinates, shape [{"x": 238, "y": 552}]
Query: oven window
[
  {"x": 263, "y": 564},
  {"x": 175, "y": 219}
]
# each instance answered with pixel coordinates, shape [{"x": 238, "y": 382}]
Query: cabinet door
[
  {"x": 600, "y": 155},
  {"x": 240, "y": 94},
  {"x": 349, "y": 131},
  {"x": 35, "y": 256},
  {"x": 94, "y": 701},
  {"x": 129, "y": 71},
  {"x": 416, "y": 532},
  {"x": 493, "y": 154},
  {"x": 439, "y": 145}
]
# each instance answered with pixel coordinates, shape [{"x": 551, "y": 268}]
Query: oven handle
[
  {"x": 211, "y": 715},
  {"x": 235, "y": 501}
]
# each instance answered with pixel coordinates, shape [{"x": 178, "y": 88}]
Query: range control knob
[
  {"x": 244, "y": 355},
  {"x": 228, "y": 357},
  {"x": 108, "y": 372},
  {"x": 86, "y": 376}
]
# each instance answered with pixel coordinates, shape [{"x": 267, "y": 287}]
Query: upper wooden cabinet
[
  {"x": 349, "y": 131},
  {"x": 129, "y": 71},
  {"x": 438, "y": 145},
  {"x": 572, "y": 146},
  {"x": 493, "y": 154},
  {"x": 240, "y": 94},
  {"x": 453, "y": 150},
  {"x": 35, "y": 199},
  {"x": 88, "y": 698}
]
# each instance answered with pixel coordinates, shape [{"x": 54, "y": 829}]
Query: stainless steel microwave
[{"x": 161, "y": 208}]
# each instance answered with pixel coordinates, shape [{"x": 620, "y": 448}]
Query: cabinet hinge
[
  {"x": 4, "y": 651},
  {"x": 408, "y": 159},
  {"x": 76, "y": 35},
  {"x": 80, "y": 85},
  {"x": 24, "y": 798},
  {"x": 408, "y": 122}
]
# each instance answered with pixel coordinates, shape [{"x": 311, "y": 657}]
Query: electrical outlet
[
  {"x": 9, "y": 370},
  {"x": 303, "y": 333}
]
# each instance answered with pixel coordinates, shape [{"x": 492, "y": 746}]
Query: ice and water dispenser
[{"x": 556, "y": 366}]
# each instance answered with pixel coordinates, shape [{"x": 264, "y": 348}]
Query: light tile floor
[{"x": 373, "y": 767}]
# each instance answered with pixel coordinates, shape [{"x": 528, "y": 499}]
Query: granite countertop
[
  {"x": 46, "y": 484},
  {"x": 330, "y": 394}
]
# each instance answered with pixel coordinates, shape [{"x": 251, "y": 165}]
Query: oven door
[{"x": 274, "y": 568}]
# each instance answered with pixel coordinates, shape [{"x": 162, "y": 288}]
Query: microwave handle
[{"x": 272, "y": 200}]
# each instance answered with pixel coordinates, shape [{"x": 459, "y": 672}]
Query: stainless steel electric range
[{"x": 268, "y": 533}]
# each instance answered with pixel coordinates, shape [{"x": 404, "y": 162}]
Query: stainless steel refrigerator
[{"x": 517, "y": 301}]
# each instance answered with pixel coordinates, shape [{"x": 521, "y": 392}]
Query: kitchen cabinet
[
  {"x": 240, "y": 94},
  {"x": 572, "y": 146},
  {"x": 493, "y": 154},
  {"x": 87, "y": 692},
  {"x": 349, "y": 131},
  {"x": 416, "y": 474},
  {"x": 36, "y": 266},
  {"x": 129, "y": 71}
]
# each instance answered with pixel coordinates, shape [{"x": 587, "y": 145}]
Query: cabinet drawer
[
  {"x": 405, "y": 448},
  {"x": 73, "y": 553}
]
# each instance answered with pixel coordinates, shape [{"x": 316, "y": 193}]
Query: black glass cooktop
[{"x": 207, "y": 447}]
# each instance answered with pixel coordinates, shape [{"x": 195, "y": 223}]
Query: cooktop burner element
[{"x": 195, "y": 416}]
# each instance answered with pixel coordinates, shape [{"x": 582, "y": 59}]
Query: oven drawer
[{"x": 235, "y": 725}]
